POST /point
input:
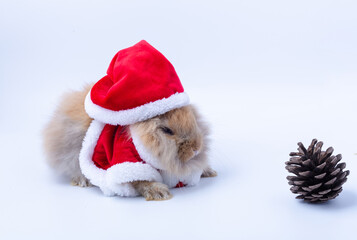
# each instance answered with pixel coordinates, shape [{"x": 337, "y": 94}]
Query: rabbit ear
[
  {"x": 144, "y": 151},
  {"x": 202, "y": 124}
]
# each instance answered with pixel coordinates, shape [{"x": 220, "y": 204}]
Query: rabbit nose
[{"x": 196, "y": 152}]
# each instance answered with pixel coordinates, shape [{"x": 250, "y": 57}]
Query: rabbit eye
[{"x": 167, "y": 130}]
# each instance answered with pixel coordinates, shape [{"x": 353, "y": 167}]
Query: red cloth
[
  {"x": 180, "y": 185},
  {"x": 114, "y": 146},
  {"x": 137, "y": 75}
]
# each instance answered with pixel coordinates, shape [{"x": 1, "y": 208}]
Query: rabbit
[{"x": 178, "y": 139}]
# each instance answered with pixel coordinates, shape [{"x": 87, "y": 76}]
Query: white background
[{"x": 265, "y": 74}]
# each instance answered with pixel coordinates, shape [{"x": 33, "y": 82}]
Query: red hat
[{"x": 140, "y": 84}]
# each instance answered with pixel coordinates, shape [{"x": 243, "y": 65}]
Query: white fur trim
[
  {"x": 116, "y": 179},
  {"x": 140, "y": 113},
  {"x": 144, "y": 153},
  {"x": 190, "y": 180},
  {"x": 119, "y": 176},
  {"x": 92, "y": 172}
]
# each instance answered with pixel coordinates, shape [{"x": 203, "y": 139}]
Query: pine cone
[{"x": 318, "y": 178}]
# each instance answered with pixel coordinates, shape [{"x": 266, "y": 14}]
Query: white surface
[{"x": 266, "y": 74}]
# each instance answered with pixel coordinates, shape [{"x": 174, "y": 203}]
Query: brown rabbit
[{"x": 177, "y": 139}]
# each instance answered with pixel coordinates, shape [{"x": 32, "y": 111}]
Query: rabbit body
[{"x": 177, "y": 140}]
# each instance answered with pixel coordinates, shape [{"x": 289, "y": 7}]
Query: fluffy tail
[{"x": 63, "y": 135}]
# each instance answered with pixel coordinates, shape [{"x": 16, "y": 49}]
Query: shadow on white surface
[
  {"x": 346, "y": 199},
  {"x": 205, "y": 184}
]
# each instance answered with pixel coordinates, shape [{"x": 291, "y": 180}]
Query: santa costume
[{"x": 140, "y": 84}]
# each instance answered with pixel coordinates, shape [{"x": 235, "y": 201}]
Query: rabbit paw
[
  {"x": 81, "y": 181},
  {"x": 209, "y": 172},
  {"x": 152, "y": 190},
  {"x": 157, "y": 192}
]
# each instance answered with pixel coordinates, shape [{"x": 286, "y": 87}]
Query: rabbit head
[{"x": 177, "y": 139}]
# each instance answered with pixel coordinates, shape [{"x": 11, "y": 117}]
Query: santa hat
[{"x": 140, "y": 84}]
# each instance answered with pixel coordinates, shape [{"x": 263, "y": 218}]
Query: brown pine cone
[{"x": 318, "y": 176}]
